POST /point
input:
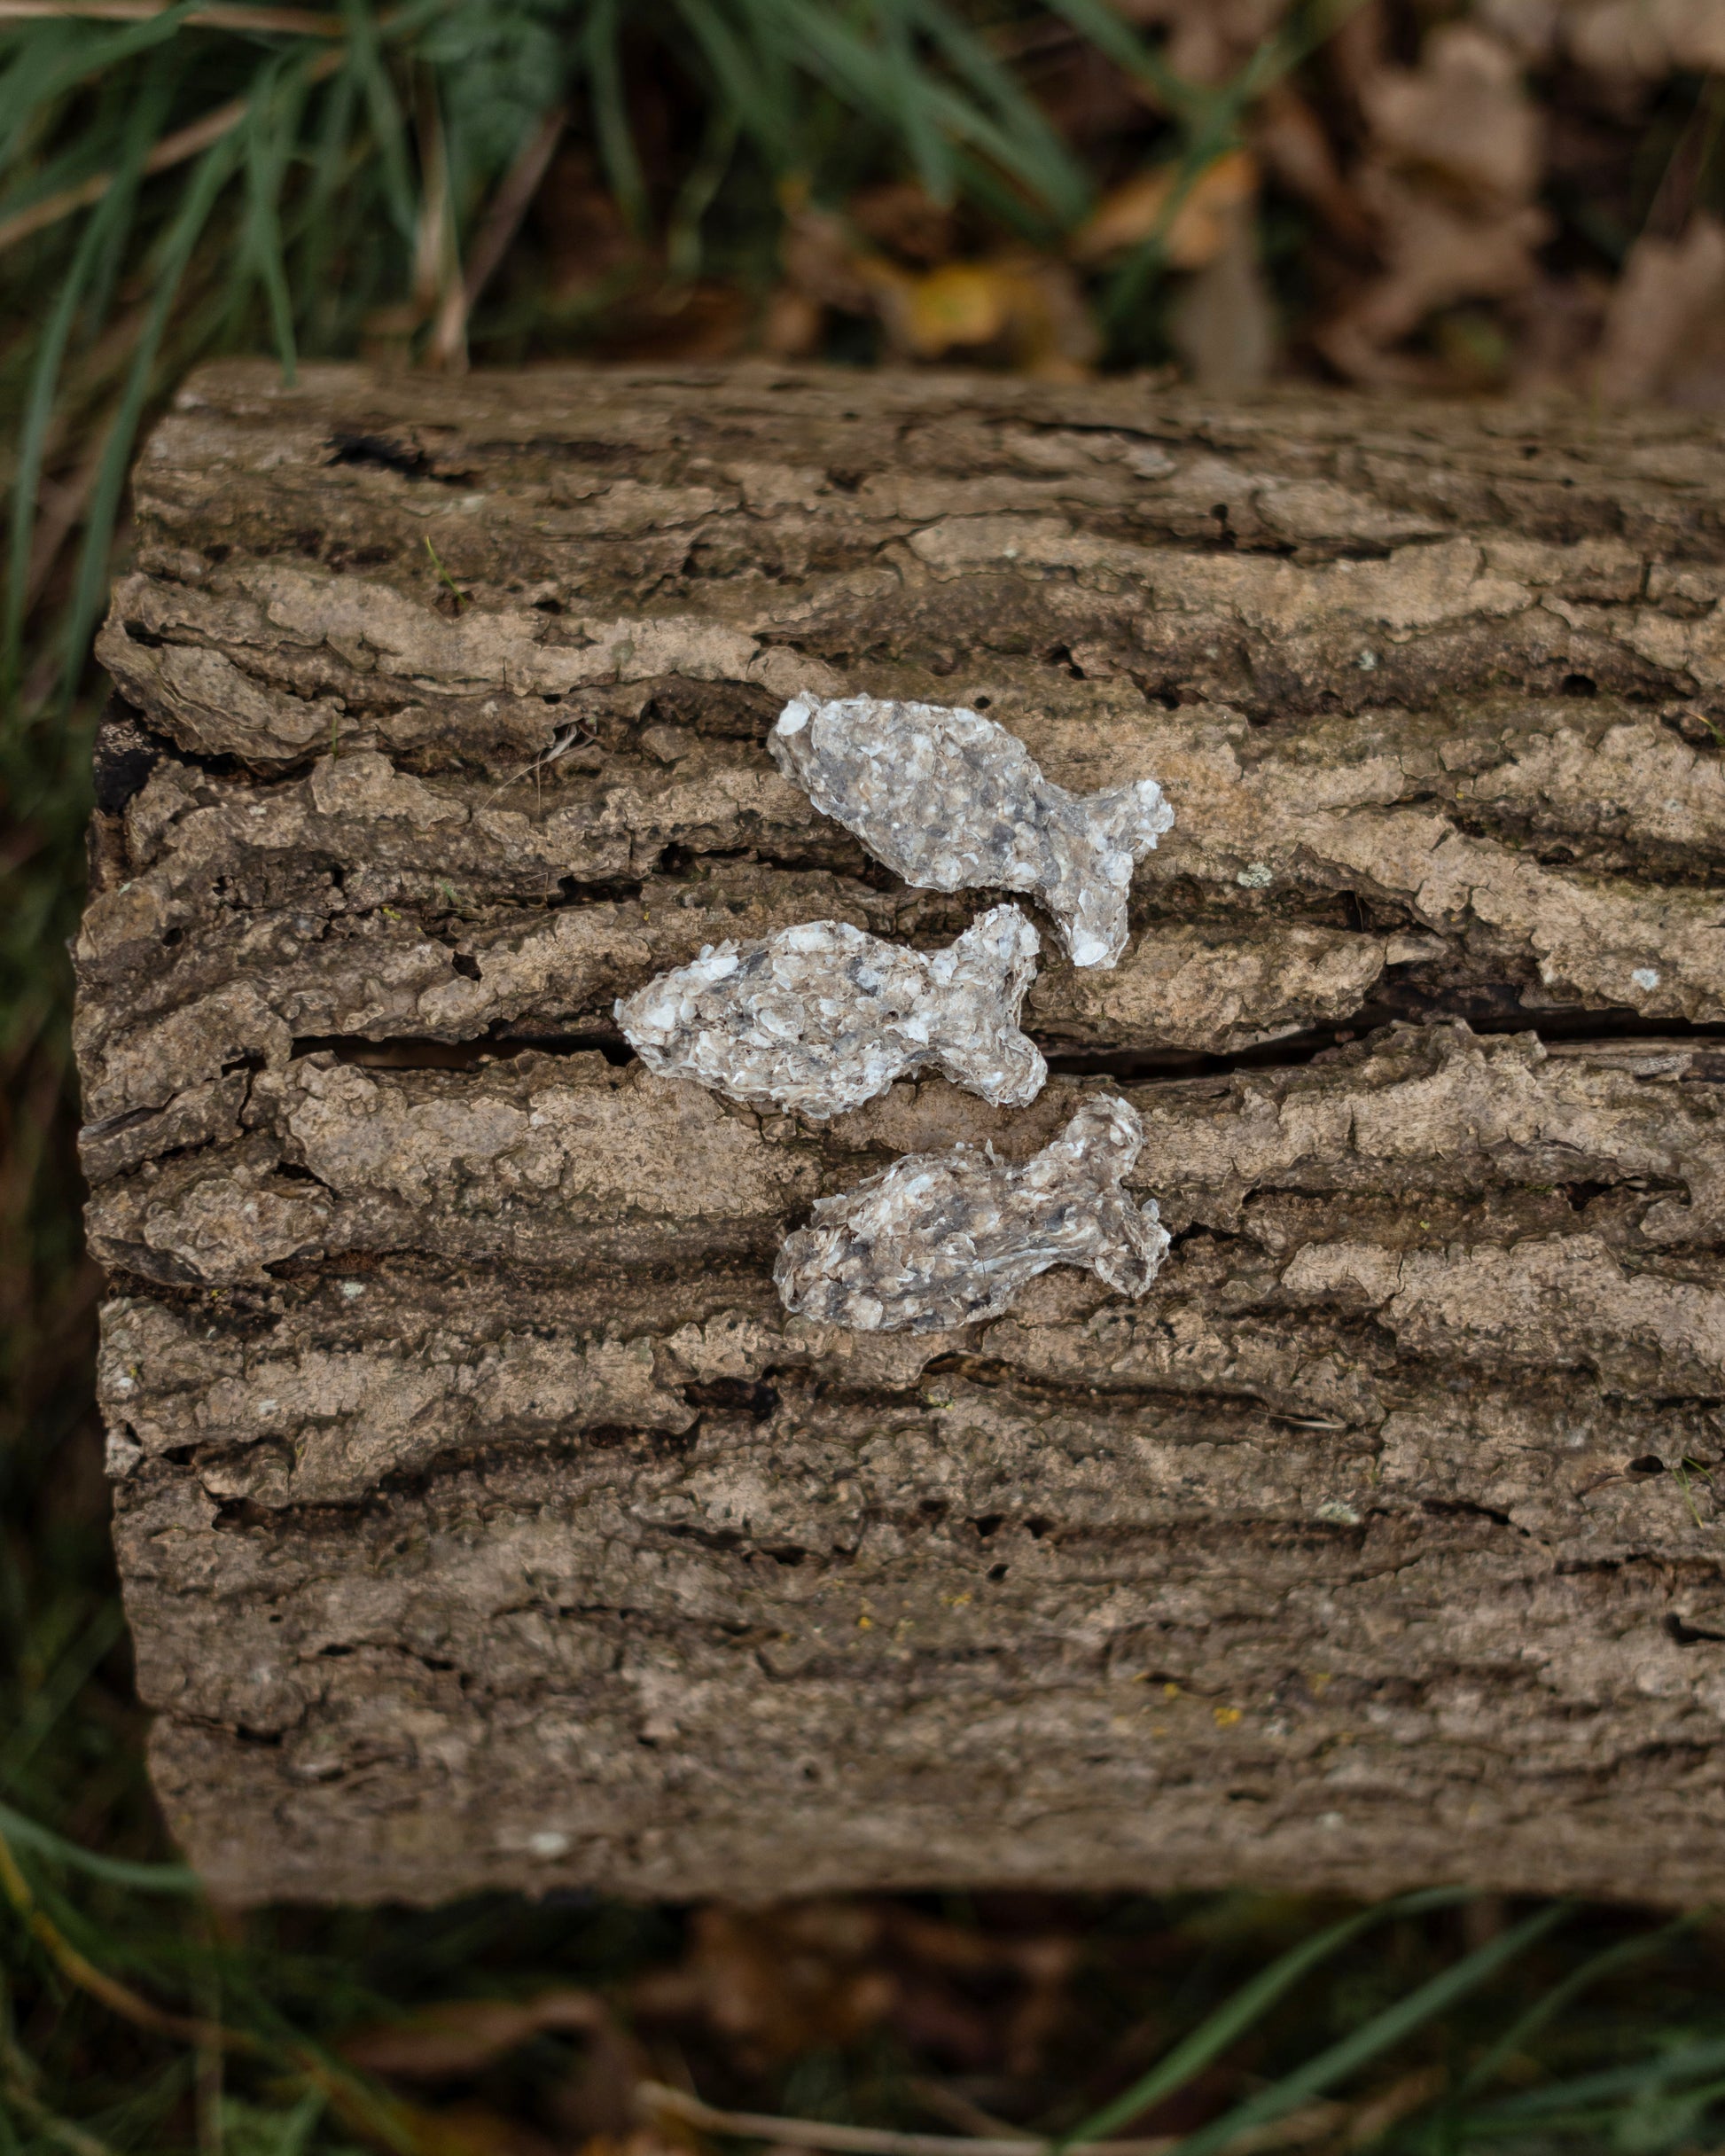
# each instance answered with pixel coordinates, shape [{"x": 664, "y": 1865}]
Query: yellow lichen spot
[
  {"x": 865, "y": 1623},
  {"x": 1170, "y": 1691},
  {"x": 1226, "y": 1716}
]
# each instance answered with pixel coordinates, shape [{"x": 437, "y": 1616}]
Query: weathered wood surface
[{"x": 484, "y": 1518}]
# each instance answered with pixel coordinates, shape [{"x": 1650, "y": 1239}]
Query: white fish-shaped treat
[
  {"x": 822, "y": 1017},
  {"x": 952, "y": 802},
  {"x": 939, "y": 1239}
]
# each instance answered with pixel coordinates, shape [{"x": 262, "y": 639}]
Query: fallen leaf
[
  {"x": 1447, "y": 182},
  {"x": 1193, "y": 234},
  {"x": 1290, "y": 141},
  {"x": 905, "y": 220},
  {"x": 1435, "y": 256},
  {"x": 1462, "y": 117},
  {"x": 586, "y": 244},
  {"x": 1019, "y": 310},
  {"x": 1646, "y": 39},
  {"x": 776, "y": 1981},
  {"x": 1207, "y": 41},
  {"x": 794, "y": 325},
  {"x": 1670, "y": 294}
]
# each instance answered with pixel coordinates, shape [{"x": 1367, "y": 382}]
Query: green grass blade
[
  {"x": 68, "y": 1677},
  {"x": 1232, "y": 2019},
  {"x": 683, "y": 233},
  {"x": 107, "y": 224},
  {"x": 388, "y": 129},
  {"x": 1379, "y": 2034},
  {"x": 927, "y": 144},
  {"x": 858, "y": 74},
  {"x": 1685, "y": 2062},
  {"x": 94, "y": 54},
  {"x": 1063, "y": 183},
  {"x": 198, "y": 198},
  {"x": 1625, "y": 1954},
  {"x": 610, "y": 109},
  {"x": 737, "y": 79},
  {"x": 1112, "y": 36},
  {"x": 329, "y": 161},
  {"x": 24, "y": 1833},
  {"x": 270, "y": 125}
]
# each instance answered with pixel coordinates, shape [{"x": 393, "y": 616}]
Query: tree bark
[{"x": 484, "y": 1518}]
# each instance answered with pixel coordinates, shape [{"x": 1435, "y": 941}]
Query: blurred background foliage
[{"x": 1453, "y": 196}]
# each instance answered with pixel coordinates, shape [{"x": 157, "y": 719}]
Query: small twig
[
  {"x": 1315, "y": 2121},
  {"x": 950, "y": 2104},
  {"x": 656, "y": 2100},
  {"x": 562, "y": 740},
  {"x": 498, "y": 226},
  {"x": 171, "y": 150},
  {"x": 292, "y": 21}
]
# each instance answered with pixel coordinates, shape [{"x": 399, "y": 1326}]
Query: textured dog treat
[
  {"x": 953, "y": 802},
  {"x": 822, "y": 1017},
  {"x": 939, "y": 1239}
]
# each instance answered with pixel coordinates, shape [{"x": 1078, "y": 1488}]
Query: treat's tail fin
[
  {"x": 1130, "y": 819},
  {"x": 990, "y": 968},
  {"x": 1002, "y": 944},
  {"x": 1111, "y": 833}
]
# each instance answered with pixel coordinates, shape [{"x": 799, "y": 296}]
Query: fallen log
[{"x": 484, "y": 1517}]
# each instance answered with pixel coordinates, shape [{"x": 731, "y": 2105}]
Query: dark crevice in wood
[{"x": 409, "y": 1054}]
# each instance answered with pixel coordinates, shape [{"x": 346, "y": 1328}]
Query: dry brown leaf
[
  {"x": 457, "y": 2037},
  {"x": 1449, "y": 182},
  {"x": 1529, "y": 28},
  {"x": 776, "y": 1981},
  {"x": 1671, "y": 294},
  {"x": 821, "y": 259},
  {"x": 586, "y": 242},
  {"x": 1207, "y": 41},
  {"x": 1023, "y": 310},
  {"x": 905, "y": 220},
  {"x": 1644, "y": 39},
  {"x": 1197, "y": 232},
  {"x": 792, "y": 325},
  {"x": 1435, "y": 256},
  {"x": 1461, "y": 117},
  {"x": 680, "y": 322},
  {"x": 1290, "y": 141}
]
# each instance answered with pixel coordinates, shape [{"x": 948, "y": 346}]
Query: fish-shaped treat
[
  {"x": 941, "y": 1238},
  {"x": 822, "y": 1017},
  {"x": 952, "y": 802}
]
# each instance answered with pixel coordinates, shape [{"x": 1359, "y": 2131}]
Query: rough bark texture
[{"x": 485, "y": 1519}]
